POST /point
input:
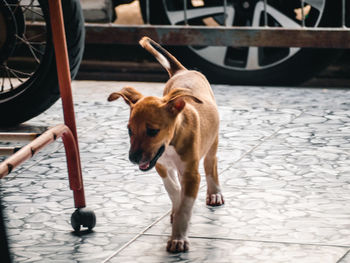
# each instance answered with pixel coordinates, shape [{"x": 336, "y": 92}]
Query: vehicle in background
[
  {"x": 250, "y": 65},
  {"x": 28, "y": 77}
]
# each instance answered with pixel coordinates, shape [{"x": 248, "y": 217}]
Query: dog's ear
[
  {"x": 129, "y": 94},
  {"x": 175, "y": 100}
]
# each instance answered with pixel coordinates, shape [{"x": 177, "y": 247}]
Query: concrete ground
[{"x": 284, "y": 163}]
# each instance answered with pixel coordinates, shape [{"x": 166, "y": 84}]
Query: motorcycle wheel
[
  {"x": 250, "y": 65},
  {"x": 28, "y": 75}
]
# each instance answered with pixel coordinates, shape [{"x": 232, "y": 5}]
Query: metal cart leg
[{"x": 80, "y": 216}]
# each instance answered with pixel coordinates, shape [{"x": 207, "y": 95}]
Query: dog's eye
[
  {"x": 130, "y": 132},
  {"x": 152, "y": 132}
]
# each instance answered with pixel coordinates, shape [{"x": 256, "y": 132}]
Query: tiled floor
[{"x": 284, "y": 160}]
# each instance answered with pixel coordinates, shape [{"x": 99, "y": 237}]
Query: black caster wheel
[{"x": 83, "y": 217}]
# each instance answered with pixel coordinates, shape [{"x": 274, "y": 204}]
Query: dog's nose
[{"x": 136, "y": 156}]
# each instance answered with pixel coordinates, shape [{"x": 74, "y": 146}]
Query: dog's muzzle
[
  {"x": 135, "y": 157},
  {"x": 149, "y": 165}
]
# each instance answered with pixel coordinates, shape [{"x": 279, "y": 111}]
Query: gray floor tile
[
  {"x": 152, "y": 249},
  {"x": 272, "y": 215},
  {"x": 283, "y": 159}
]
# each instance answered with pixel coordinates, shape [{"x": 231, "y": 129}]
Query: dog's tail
[{"x": 168, "y": 61}]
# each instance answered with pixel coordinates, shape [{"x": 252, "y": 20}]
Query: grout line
[
  {"x": 159, "y": 219},
  {"x": 343, "y": 257},
  {"x": 258, "y": 241},
  {"x": 307, "y": 189},
  {"x": 60, "y": 146},
  {"x": 262, "y": 142},
  {"x": 135, "y": 237},
  {"x": 23, "y": 169}
]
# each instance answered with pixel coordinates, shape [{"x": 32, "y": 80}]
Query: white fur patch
[
  {"x": 171, "y": 160},
  {"x": 213, "y": 188},
  {"x": 172, "y": 186},
  {"x": 182, "y": 218},
  {"x": 182, "y": 204},
  {"x": 163, "y": 61}
]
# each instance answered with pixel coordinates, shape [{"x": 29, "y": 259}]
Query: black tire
[
  {"x": 294, "y": 70},
  {"x": 41, "y": 90}
]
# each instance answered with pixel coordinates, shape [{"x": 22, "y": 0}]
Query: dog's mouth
[{"x": 149, "y": 165}]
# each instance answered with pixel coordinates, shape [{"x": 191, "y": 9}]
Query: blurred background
[
  {"x": 128, "y": 62},
  {"x": 235, "y": 42}
]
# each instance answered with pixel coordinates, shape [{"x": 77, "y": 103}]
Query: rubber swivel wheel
[{"x": 83, "y": 217}]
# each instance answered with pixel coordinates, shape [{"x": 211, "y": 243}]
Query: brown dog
[{"x": 174, "y": 133}]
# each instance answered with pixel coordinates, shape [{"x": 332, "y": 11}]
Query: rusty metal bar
[
  {"x": 214, "y": 36},
  {"x": 17, "y": 137},
  {"x": 220, "y": 36},
  {"x": 74, "y": 168},
  {"x": 64, "y": 80},
  {"x": 30, "y": 149},
  {"x": 72, "y": 155},
  {"x": 63, "y": 71},
  {"x": 67, "y": 132}
]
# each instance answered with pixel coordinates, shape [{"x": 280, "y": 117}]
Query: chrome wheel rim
[
  {"x": 13, "y": 78},
  {"x": 245, "y": 58}
]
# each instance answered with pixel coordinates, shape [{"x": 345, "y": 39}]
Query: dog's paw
[
  {"x": 215, "y": 199},
  {"x": 177, "y": 245}
]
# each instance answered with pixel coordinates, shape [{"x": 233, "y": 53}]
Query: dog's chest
[{"x": 171, "y": 160}]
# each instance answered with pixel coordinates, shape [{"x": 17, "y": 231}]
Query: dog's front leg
[
  {"x": 190, "y": 185},
  {"x": 172, "y": 186}
]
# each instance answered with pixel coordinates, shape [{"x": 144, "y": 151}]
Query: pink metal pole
[
  {"x": 30, "y": 149},
  {"x": 62, "y": 62},
  {"x": 64, "y": 80}
]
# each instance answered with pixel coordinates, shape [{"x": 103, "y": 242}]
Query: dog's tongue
[{"x": 144, "y": 166}]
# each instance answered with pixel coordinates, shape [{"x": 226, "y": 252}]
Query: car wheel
[
  {"x": 251, "y": 65},
  {"x": 28, "y": 75}
]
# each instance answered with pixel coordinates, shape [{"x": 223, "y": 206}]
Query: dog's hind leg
[{"x": 214, "y": 196}]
